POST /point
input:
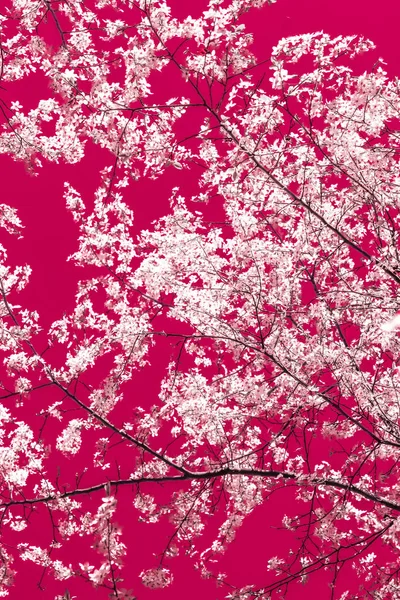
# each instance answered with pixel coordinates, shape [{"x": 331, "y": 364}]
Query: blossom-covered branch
[{"x": 275, "y": 324}]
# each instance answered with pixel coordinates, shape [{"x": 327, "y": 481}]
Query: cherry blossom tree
[{"x": 279, "y": 320}]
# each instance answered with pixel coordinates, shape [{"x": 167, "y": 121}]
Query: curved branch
[{"x": 187, "y": 475}]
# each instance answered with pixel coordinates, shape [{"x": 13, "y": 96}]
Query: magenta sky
[{"x": 50, "y": 236}]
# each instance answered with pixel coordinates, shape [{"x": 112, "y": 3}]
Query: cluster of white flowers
[{"x": 156, "y": 578}]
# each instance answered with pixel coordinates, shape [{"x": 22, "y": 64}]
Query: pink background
[{"x": 51, "y": 235}]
